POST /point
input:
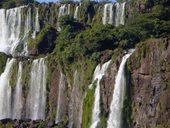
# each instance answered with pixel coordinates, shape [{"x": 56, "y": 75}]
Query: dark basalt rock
[
  {"x": 150, "y": 88},
  {"x": 51, "y": 123}
]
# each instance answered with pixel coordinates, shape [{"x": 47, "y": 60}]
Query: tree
[{"x": 14, "y": 3}]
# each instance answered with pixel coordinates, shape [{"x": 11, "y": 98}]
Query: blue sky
[{"x": 54, "y": 0}]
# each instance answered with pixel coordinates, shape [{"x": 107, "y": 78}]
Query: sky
[{"x": 56, "y": 0}]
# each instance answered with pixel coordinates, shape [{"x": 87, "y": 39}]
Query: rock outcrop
[{"x": 150, "y": 78}]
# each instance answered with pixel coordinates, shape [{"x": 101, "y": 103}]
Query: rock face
[
  {"x": 150, "y": 78},
  {"x": 107, "y": 86}
]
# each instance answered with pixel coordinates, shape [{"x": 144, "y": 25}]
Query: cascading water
[
  {"x": 17, "y": 101},
  {"x": 69, "y": 8},
  {"x": 120, "y": 14},
  {"x": 117, "y": 16},
  {"x": 111, "y": 14},
  {"x": 5, "y": 91},
  {"x": 36, "y": 100},
  {"x": 122, "y": 17},
  {"x": 11, "y": 27},
  {"x": 116, "y": 106},
  {"x": 61, "y": 95},
  {"x": 104, "y": 14},
  {"x": 37, "y": 25},
  {"x": 63, "y": 10},
  {"x": 81, "y": 111},
  {"x": 98, "y": 75},
  {"x": 108, "y": 7},
  {"x": 76, "y": 12},
  {"x": 72, "y": 104},
  {"x": 76, "y": 102},
  {"x": 15, "y": 28}
]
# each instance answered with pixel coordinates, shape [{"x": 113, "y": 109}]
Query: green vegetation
[
  {"x": 3, "y": 60},
  {"x": 44, "y": 41},
  {"x": 103, "y": 114},
  {"x": 88, "y": 107},
  {"x": 127, "y": 103},
  {"x": 26, "y": 76},
  {"x": 12, "y": 75},
  {"x": 14, "y": 3}
]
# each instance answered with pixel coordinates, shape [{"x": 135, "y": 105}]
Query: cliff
[
  {"x": 73, "y": 65},
  {"x": 150, "y": 84}
]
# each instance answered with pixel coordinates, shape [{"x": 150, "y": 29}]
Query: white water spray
[
  {"x": 15, "y": 28},
  {"x": 98, "y": 75},
  {"x": 37, "y": 25},
  {"x": 120, "y": 14},
  {"x": 61, "y": 95},
  {"x": 18, "y": 102},
  {"x": 36, "y": 100},
  {"x": 62, "y": 12},
  {"x": 116, "y": 16},
  {"x": 115, "y": 116},
  {"x": 10, "y": 24},
  {"x": 76, "y": 12},
  {"x": 108, "y": 7},
  {"x": 5, "y": 91}
]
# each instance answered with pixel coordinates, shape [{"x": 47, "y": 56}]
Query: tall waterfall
[
  {"x": 15, "y": 28},
  {"x": 122, "y": 17},
  {"x": 17, "y": 100},
  {"x": 69, "y": 9},
  {"x": 76, "y": 12},
  {"x": 61, "y": 95},
  {"x": 116, "y": 16},
  {"x": 63, "y": 10},
  {"x": 76, "y": 102},
  {"x": 115, "y": 116},
  {"x": 98, "y": 75},
  {"x": 5, "y": 91},
  {"x": 28, "y": 21},
  {"x": 10, "y": 29},
  {"x": 37, "y": 25},
  {"x": 108, "y": 7},
  {"x": 36, "y": 100},
  {"x": 120, "y": 14}
]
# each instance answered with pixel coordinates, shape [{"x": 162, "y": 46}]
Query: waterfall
[
  {"x": 120, "y": 14},
  {"x": 98, "y": 75},
  {"x": 81, "y": 110},
  {"x": 116, "y": 106},
  {"x": 69, "y": 8},
  {"x": 36, "y": 100},
  {"x": 61, "y": 99},
  {"x": 62, "y": 12},
  {"x": 37, "y": 25},
  {"x": 18, "y": 103},
  {"x": 72, "y": 104},
  {"x": 111, "y": 14},
  {"x": 122, "y": 17},
  {"x": 27, "y": 29},
  {"x": 76, "y": 12},
  {"x": 104, "y": 14},
  {"x": 10, "y": 29},
  {"x": 28, "y": 21},
  {"x": 108, "y": 7},
  {"x": 12, "y": 24},
  {"x": 5, "y": 91},
  {"x": 76, "y": 103}
]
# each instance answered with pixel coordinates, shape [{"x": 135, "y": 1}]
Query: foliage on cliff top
[
  {"x": 14, "y": 3},
  {"x": 44, "y": 41}
]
